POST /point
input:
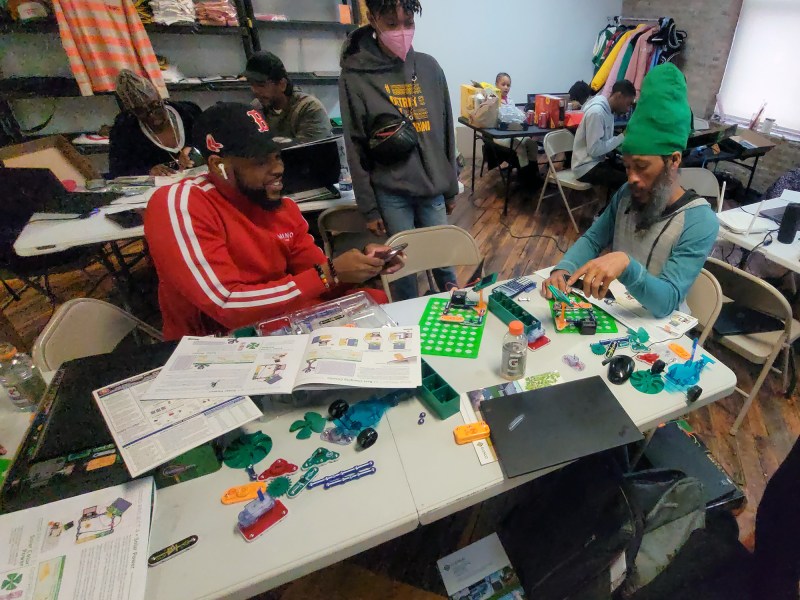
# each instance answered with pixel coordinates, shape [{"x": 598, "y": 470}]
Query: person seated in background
[
  {"x": 658, "y": 234},
  {"x": 149, "y": 137},
  {"x": 595, "y": 139},
  {"x": 229, "y": 250},
  {"x": 580, "y": 92},
  {"x": 290, "y": 113},
  {"x": 503, "y": 83}
]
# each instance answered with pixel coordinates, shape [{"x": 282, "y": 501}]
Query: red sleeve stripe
[{"x": 192, "y": 254}]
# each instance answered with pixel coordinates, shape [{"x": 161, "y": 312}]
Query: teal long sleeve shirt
[{"x": 660, "y": 293}]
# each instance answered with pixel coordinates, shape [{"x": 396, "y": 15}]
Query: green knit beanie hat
[{"x": 662, "y": 121}]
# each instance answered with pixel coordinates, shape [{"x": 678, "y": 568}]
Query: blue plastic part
[
  {"x": 368, "y": 413},
  {"x": 680, "y": 377},
  {"x": 254, "y": 509}
]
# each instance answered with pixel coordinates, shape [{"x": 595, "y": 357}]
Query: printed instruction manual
[
  {"x": 89, "y": 547},
  {"x": 384, "y": 357},
  {"x": 149, "y": 433}
]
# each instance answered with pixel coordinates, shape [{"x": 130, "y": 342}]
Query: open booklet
[{"x": 204, "y": 367}]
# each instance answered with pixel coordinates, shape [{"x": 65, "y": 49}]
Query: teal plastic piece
[
  {"x": 559, "y": 295},
  {"x": 320, "y": 457},
  {"x": 505, "y": 309},
  {"x": 598, "y": 348},
  {"x": 485, "y": 282},
  {"x": 436, "y": 393},
  {"x": 301, "y": 483},
  {"x": 310, "y": 423},
  {"x": 279, "y": 486},
  {"x": 647, "y": 382},
  {"x": 247, "y": 449},
  {"x": 248, "y": 331}
]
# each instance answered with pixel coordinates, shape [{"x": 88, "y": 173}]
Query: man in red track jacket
[{"x": 228, "y": 248}]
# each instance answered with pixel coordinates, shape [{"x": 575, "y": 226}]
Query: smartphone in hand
[{"x": 391, "y": 253}]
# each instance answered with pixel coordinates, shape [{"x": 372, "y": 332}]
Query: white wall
[{"x": 545, "y": 46}]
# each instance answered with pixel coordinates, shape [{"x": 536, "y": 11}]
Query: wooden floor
[{"x": 517, "y": 244}]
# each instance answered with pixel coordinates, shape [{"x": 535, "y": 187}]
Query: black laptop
[
  {"x": 26, "y": 191},
  {"x": 311, "y": 170},
  {"x": 734, "y": 319}
]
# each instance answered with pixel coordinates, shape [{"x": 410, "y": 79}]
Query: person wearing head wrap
[
  {"x": 658, "y": 235},
  {"x": 150, "y": 136}
]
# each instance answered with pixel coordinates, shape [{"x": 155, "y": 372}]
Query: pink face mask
[{"x": 398, "y": 41}]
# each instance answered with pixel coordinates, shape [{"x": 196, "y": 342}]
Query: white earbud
[{"x": 222, "y": 170}]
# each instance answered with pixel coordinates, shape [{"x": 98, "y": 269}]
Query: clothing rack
[{"x": 618, "y": 19}]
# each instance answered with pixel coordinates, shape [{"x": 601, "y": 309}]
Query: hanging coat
[
  {"x": 640, "y": 61},
  {"x": 602, "y": 75},
  {"x": 611, "y": 77}
]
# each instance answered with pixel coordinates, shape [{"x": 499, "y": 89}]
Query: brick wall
[{"x": 711, "y": 25}]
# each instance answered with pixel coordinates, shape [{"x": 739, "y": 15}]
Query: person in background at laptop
[
  {"x": 595, "y": 139},
  {"x": 398, "y": 125},
  {"x": 580, "y": 92},
  {"x": 290, "y": 113},
  {"x": 658, "y": 234},
  {"x": 149, "y": 137},
  {"x": 229, "y": 250}
]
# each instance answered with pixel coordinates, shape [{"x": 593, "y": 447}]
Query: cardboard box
[
  {"x": 553, "y": 106},
  {"x": 467, "y": 102},
  {"x": 54, "y": 153},
  {"x": 758, "y": 140}
]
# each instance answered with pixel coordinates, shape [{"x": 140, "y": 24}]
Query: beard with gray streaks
[{"x": 649, "y": 210}]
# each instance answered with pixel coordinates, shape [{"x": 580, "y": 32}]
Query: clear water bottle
[
  {"x": 515, "y": 351},
  {"x": 20, "y": 378}
]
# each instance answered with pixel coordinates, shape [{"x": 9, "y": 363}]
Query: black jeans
[
  {"x": 777, "y": 551},
  {"x": 608, "y": 173}
]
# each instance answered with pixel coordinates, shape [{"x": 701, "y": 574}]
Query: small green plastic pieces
[
  {"x": 301, "y": 483},
  {"x": 647, "y": 382},
  {"x": 311, "y": 423},
  {"x": 440, "y": 398},
  {"x": 320, "y": 457},
  {"x": 248, "y": 449},
  {"x": 598, "y": 349},
  {"x": 638, "y": 339},
  {"x": 279, "y": 486}
]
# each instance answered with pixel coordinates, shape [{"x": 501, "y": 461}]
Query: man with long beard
[
  {"x": 229, "y": 248},
  {"x": 658, "y": 234}
]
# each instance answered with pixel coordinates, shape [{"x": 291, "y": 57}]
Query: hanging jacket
[
  {"x": 102, "y": 38},
  {"x": 640, "y": 61},
  {"x": 374, "y": 84},
  {"x": 610, "y": 45},
  {"x": 611, "y": 79},
  {"x": 600, "y": 45},
  {"x": 626, "y": 60},
  {"x": 602, "y": 75}
]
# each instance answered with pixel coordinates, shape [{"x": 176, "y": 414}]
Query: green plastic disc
[
  {"x": 246, "y": 450},
  {"x": 647, "y": 382},
  {"x": 598, "y": 349},
  {"x": 279, "y": 486}
]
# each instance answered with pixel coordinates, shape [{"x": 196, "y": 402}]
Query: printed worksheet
[
  {"x": 384, "y": 357},
  {"x": 149, "y": 433},
  {"x": 89, "y": 547}
]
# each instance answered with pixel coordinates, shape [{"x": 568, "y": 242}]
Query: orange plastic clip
[
  {"x": 243, "y": 493},
  {"x": 680, "y": 351},
  {"x": 452, "y": 318},
  {"x": 471, "y": 432}
]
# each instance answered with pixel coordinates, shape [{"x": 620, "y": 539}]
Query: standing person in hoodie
[
  {"x": 385, "y": 81},
  {"x": 595, "y": 138},
  {"x": 657, "y": 234}
]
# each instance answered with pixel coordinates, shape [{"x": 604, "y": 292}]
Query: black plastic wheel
[
  {"x": 658, "y": 367},
  {"x": 337, "y": 409},
  {"x": 694, "y": 392},
  {"x": 367, "y": 438}
]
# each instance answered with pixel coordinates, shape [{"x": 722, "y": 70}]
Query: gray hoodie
[
  {"x": 595, "y": 136},
  {"x": 372, "y": 84}
]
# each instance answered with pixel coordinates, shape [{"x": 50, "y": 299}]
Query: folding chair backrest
[
  {"x": 557, "y": 141},
  {"x": 702, "y": 181},
  {"x": 705, "y": 302},
  {"x": 84, "y": 327},
  {"x": 750, "y": 292},
  {"x": 339, "y": 219},
  {"x": 432, "y": 248}
]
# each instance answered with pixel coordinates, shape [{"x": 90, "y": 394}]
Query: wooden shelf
[
  {"x": 47, "y": 26},
  {"x": 296, "y": 25},
  {"x": 65, "y": 87}
]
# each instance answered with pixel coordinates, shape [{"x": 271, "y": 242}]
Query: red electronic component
[{"x": 278, "y": 468}]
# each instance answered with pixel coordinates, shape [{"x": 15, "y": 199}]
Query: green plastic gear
[
  {"x": 647, "y": 382},
  {"x": 248, "y": 449},
  {"x": 597, "y": 349},
  {"x": 279, "y": 486}
]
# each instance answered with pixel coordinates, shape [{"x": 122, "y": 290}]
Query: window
[{"x": 762, "y": 66}]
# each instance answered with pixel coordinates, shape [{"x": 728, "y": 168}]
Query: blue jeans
[{"x": 402, "y": 213}]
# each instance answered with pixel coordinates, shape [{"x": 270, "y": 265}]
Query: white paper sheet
[
  {"x": 90, "y": 547},
  {"x": 149, "y": 433}
]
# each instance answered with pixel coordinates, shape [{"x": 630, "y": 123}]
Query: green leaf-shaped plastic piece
[
  {"x": 304, "y": 433},
  {"x": 297, "y": 425},
  {"x": 316, "y": 422}
]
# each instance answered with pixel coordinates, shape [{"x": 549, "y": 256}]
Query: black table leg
[
  {"x": 752, "y": 174},
  {"x": 474, "y": 146}
]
